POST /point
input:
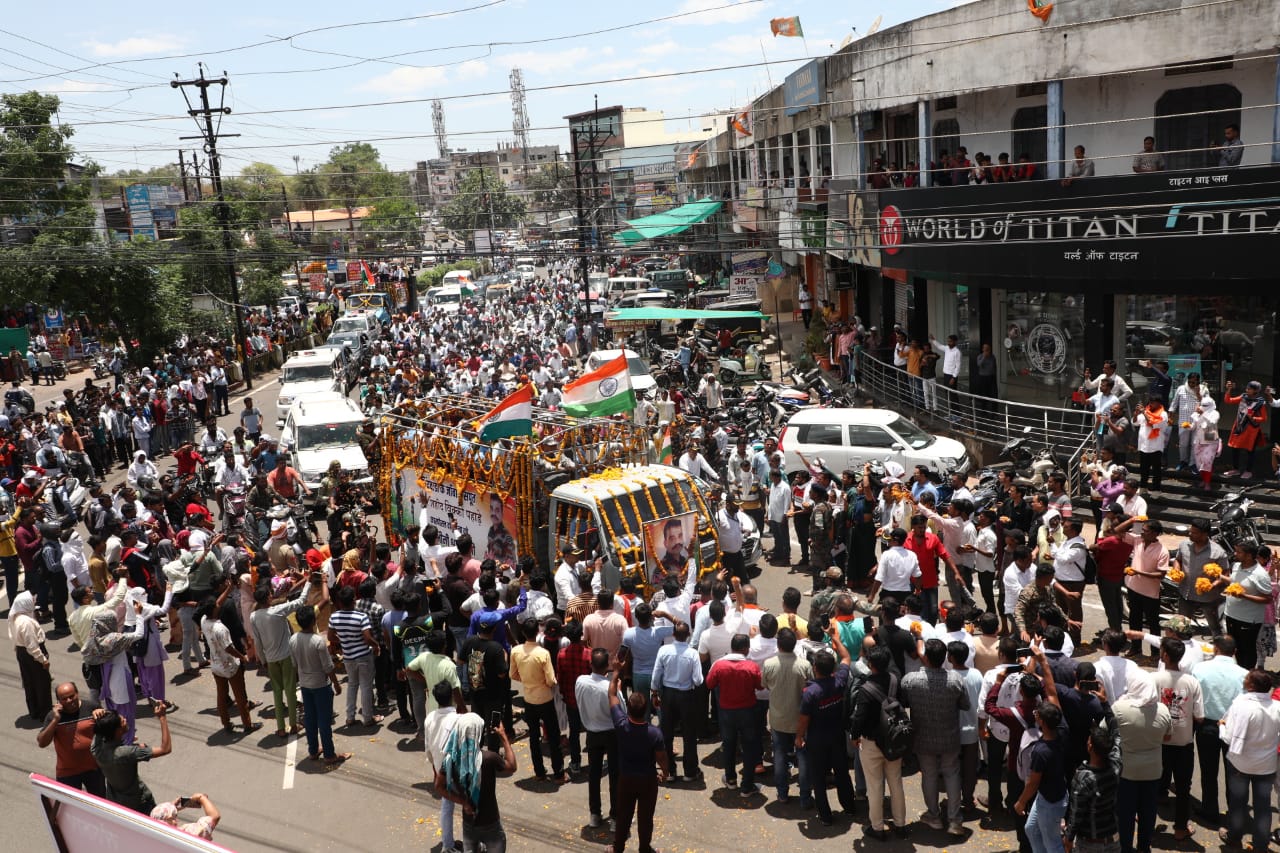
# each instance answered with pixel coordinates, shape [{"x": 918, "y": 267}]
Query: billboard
[
  {"x": 490, "y": 520},
  {"x": 137, "y": 198},
  {"x": 744, "y": 286},
  {"x": 804, "y": 87}
]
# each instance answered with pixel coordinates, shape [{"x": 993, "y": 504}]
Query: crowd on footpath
[{"x": 880, "y": 678}]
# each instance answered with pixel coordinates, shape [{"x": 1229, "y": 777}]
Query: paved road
[{"x": 381, "y": 797}]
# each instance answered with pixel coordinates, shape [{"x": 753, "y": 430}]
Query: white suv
[
  {"x": 320, "y": 429},
  {"x": 308, "y": 372}
]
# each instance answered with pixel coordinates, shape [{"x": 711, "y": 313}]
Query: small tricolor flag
[
  {"x": 666, "y": 452},
  {"x": 787, "y": 27},
  {"x": 604, "y": 391},
  {"x": 510, "y": 418},
  {"x": 370, "y": 282}
]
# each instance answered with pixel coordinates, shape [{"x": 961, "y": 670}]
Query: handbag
[
  {"x": 138, "y": 648},
  {"x": 92, "y": 673}
]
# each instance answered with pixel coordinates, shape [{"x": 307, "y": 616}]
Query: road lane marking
[{"x": 290, "y": 761}]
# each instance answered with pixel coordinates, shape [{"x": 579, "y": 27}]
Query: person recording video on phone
[{"x": 203, "y": 827}]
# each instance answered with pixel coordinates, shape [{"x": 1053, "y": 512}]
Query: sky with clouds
[{"x": 305, "y": 82}]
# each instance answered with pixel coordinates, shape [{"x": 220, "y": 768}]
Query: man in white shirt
[
  {"x": 1068, "y": 571},
  {"x": 1119, "y": 387},
  {"x": 566, "y": 577},
  {"x": 1250, "y": 734},
  {"x": 950, "y": 362},
  {"x": 715, "y": 641},
  {"x": 1113, "y": 668},
  {"x": 711, "y": 392},
  {"x": 692, "y": 462},
  {"x": 897, "y": 570},
  {"x": 729, "y": 522},
  {"x": 1132, "y": 503},
  {"x": 778, "y": 507},
  {"x": 438, "y": 726}
]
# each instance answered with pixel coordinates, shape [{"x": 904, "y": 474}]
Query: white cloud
[
  {"x": 471, "y": 69},
  {"x": 74, "y": 87},
  {"x": 661, "y": 48},
  {"x": 732, "y": 13},
  {"x": 404, "y": 81},
  {"x": 535, "y": 62},
  {"x": 136, "y": 46}
]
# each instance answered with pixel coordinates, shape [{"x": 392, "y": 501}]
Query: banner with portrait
[
  {"x": 489, "y": 519},
  {"x": 671, "y": 548}
]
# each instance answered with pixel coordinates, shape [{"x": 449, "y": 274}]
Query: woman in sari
[{"x": 108, "y": 647}]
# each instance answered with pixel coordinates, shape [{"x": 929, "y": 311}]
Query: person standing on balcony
[
  {"x": 1232, "y": 150},
  {"x": 1081, "y": 167},
  {"x": 1149, "y": 160}
]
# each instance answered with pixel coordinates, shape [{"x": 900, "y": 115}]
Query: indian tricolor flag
[
  {"x": 510, "y": 418},
  {"x": 370, "y": 282},
  {"x": 604, "y": 391},
  {"x": 666, "y": 453}
]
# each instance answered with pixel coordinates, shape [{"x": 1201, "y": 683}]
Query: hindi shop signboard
[
  {"x": 489, "y": 519},
  {"x": 744, "y": 287},
  {"x": 1164, "y": 226}
]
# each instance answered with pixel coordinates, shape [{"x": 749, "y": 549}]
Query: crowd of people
[{"x": 884, "y": 675}]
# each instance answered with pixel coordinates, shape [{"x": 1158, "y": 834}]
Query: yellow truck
[{"x": 584, "y": 483}]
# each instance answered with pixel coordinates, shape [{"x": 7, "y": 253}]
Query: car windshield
[
  {"x": 349, "y": 325},
  {"x": 307, "y": 372},
  {"x": 343, "y": 338},
  {"x": 915, "y": 437},
  {"x": 315, "y": 436},
  {"x": 447, "y": 298}
]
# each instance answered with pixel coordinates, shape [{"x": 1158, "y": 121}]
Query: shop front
[{"x": 1172, "y": 267}]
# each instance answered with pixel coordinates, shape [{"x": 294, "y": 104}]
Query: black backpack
[
  {"x": 897, "y": 733},
  {"x": 1090, "y": 565}
]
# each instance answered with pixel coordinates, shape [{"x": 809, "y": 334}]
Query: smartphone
[
  {"x": 1024, "y": 652},
  {"x": 1013, "y": 667},
  {"x": 1087, "y": 686},
  {"x": 495, "y": 720},
  {"x": 183, "y": 802}
]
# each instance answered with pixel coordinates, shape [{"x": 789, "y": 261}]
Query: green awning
[
  {"x": 671, "y": 222},
  {"x": 653, "y": 315}
]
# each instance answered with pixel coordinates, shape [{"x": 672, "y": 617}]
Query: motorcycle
[
  {"x": 748, "y": 365},
  {"x": 1030, "y": 468},
  {"x": 300, "y": 530},
  {"x": 1233, "y": 525},
  {"x": 20, "y": 399},
  {"x": 100, "y": 367}
]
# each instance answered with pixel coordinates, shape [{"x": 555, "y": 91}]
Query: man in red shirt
[
  {"x": 929, "y": 549},
  {"x": 187, "y": 459},
  {"x": 736, "y": 680}
]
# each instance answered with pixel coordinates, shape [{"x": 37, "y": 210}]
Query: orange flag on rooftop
[
  {"x": 788, "y": 27},
  {"x": 1040, "y": 9}
]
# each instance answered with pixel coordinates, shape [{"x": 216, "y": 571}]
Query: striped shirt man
[{"x": 349, "y": 627}]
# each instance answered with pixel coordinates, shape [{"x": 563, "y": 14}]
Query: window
[
  {"x": 824, "y": 434},
  {"x": 946, "y": 136},
  {"x": 869, "y": 435},
  {"x": 1189, "y": 120},
  {"x": 1031, "y": 136}
]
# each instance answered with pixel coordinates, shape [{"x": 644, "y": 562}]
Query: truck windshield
[
  {"x": 315, "y": 436},
  {"x": 307, "y": 372}
]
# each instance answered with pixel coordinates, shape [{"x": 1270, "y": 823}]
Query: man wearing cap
[
  {"x": 280, "y": 553},
  {"x": 898, "y": 568},
  {"x": 1026, "y": 611},
  {"x": 566, "y": 576},
  {"x": 1179, "y": 628}
]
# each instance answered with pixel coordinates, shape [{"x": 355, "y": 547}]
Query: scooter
[{"x": 748, "y": 365}]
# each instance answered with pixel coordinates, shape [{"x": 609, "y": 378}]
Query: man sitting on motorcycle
[
  {"x": 213, "y": 439},
  {"x": 228, "y": 472},
  {"x": 261, "y": 498},
  {"x": 285, "y": 481},
  {"x": 188, "y": 460}
]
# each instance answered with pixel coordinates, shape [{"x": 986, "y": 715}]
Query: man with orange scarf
[{"x": 1152, "y": 422}]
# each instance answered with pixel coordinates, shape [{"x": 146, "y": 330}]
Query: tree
[
  {"x": 36, "y": 186},
  {"x": 552, "y": 188},
  {"x": 482, "y": 202}
]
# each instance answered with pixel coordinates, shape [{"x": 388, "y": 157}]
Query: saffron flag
[
  {"x": 1040, "y": 9},
  {"x": 666, "y": 453},
  {"x": 742, "y": 123},
  {"x": 510, "y": 418},
  {"x": 604, "y": 391},
  {"x": 789, "y": 27},
  {"x": 693, "y": 156}
]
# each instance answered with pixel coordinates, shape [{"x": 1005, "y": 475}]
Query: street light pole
[{"x": 777, "y": 322}]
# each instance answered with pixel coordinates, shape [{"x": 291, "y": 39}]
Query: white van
[
  {"x": 849, "y": 438},
  {"x": 309, "y": 372},
  {"x": 319, "y": 430},
  {"x": 457, "y": 278},
  {"x": 448, "y": 299},
  {"x": 618, "y": 286},
  {"x": 641, "y": 379}
]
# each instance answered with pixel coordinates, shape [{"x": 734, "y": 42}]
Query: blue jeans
[
  {"x": 738, "y": 726},
  {"x": 1239, "y": 786},
  {"x": 446, "y": 824},
  {"x": 784, "y": 743},
  {"x": 317, "y": 709},
  {"x": 1044, "y": 825}
]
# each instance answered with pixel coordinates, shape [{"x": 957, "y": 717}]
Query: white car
[
  {"x": 849, "y": 438},
  {"x": 306, "y": 373},
  {"x": 319, "y": 430}
]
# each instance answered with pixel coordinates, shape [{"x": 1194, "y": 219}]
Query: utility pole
[
  {"x": 182, "y": 169},
  {"x": 297, "y": 270},
  {"x": 593, "y": 137},
  {"x": 210, "y": 137}
]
